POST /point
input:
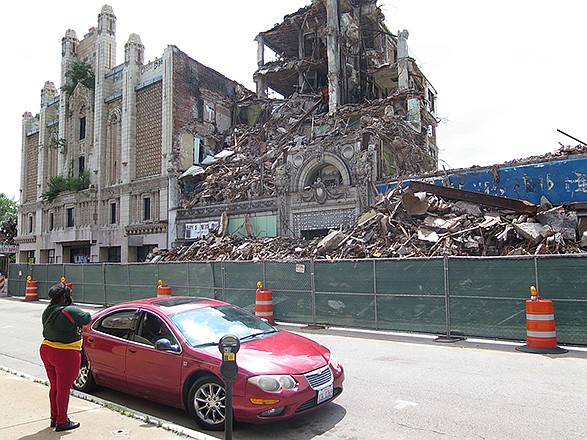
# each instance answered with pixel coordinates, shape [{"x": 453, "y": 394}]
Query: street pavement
[{"x": 397, "y": 386}]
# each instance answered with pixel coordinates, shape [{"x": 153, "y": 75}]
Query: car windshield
[{"x": 207, "y": 325}]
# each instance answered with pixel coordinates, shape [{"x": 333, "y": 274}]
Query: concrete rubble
[
  {"x": 270, "y": 129},
  {"x": 404, "y": 224}
]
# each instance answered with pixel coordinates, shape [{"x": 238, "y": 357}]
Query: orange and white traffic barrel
[
  {"x": 163, "y": 291},
  {"x": 68, "y": 285},
  {"x": 32, "y": 292},
  {"x": 264, "y": 303},
  {"x": 540, "y": 326},
  {"x": 1, "y": 283}
]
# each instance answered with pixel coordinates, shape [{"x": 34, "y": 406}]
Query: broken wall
[
  {"x": 318, "y": 166},
  {"x": 203, "y": 103}
]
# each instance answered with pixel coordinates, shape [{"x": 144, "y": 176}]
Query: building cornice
[
  {"x": 22, "y": 239},
  {"x": 146, "y": 229}
]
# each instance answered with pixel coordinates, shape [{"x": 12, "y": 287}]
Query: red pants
[{"x": 62, "y": 367}]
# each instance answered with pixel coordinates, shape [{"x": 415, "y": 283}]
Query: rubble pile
[
  {"x": 385, "y": 119},
  {"x": 236, "y": 176},
  {"x": 245, "y": 169},
  {"x": 406, "y": 224},
  {"x": 563, "y": 152}
]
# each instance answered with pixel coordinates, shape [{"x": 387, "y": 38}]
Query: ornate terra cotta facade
[{"x": 118, "y": 142}]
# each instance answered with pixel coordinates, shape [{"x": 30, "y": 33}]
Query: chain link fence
[{"x": 450, "y": 296}]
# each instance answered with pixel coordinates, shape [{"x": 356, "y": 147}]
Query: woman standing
[{"x": 61, "y": 351}]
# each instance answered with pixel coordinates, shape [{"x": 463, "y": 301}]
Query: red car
[{"x": 166, "y": 350}]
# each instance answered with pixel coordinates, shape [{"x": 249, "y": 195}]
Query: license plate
[{"x": 325, "y": 394}]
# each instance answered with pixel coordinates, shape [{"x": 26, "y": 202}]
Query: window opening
[
  {"x": 147, "y": 208},
  {"x": 70, "y": 218},
  {"x": 82, "y": 128},
  {"x": 114, "y": 254},
  {"x": 113, "y": 213}
]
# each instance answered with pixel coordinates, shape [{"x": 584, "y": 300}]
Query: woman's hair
[{"x": 57, "y": 292}]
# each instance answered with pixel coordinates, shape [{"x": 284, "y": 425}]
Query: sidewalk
[{"x": 25, "y": 416}]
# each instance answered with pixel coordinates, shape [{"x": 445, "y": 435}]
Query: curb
[{"x": 145, "y": 418}]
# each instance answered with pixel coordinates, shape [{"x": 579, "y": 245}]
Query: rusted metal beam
[{"x": 475, "y": 197}]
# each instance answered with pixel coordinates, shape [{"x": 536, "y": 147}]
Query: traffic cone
[
  {"x": 32, "y": 293},
  {"x": 540, "y": 326},
  {"x": 264, "y": 303},
  {"x": 163, "y": 291}
]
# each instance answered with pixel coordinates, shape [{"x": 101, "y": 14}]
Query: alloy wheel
[{"x": 209, "y": 403}]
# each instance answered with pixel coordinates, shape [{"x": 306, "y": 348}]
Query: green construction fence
[{"x": 448, "y": 296}]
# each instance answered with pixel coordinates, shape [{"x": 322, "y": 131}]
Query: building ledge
[
  {"x": 25, "y": 239},
  {"x": 148, "y": 228}
]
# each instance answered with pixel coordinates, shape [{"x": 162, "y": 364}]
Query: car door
[
  {"x": 154, "y": 374},
  {"x": 106, "y": 347}
]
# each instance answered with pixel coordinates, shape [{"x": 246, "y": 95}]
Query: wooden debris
[{"x": 387, "y": 230}]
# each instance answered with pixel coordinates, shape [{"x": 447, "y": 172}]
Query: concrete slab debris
[{"x": 388, "y": 230}]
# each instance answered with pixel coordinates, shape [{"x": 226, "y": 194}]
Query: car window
[
  {"x": 119, "y": 324},
  {"x": 207, "y": 325},
  {"x": 151, "y": 328}
]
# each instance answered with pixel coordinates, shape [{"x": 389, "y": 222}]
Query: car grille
[{"x": 319, "y": 378}]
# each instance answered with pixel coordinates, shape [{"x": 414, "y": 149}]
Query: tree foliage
[
  {"x": 59, "y": 184},
  {"x": 79, "y": 73},
  {"x": 8, "y": 216}
]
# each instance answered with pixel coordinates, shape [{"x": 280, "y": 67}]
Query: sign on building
[
  {"x": 199, "y": 230},
  {"x": 8, "y": 249}
]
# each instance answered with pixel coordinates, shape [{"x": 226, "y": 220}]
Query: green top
[{"x": 57, "y": 326}]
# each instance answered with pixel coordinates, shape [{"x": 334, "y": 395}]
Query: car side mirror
[{"x": 164, "y": 344}]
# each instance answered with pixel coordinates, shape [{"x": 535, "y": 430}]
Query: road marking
[{"x": 401, "y": 404}]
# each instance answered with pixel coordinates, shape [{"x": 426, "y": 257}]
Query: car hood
[{"x": 281, "y": 353}]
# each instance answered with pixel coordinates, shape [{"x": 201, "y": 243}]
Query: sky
[{"x": 508, "y": 74}]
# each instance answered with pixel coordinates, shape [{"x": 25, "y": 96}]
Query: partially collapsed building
[
  {"x": 353, "y": 109},
  {"x": 137, "y": 156}
]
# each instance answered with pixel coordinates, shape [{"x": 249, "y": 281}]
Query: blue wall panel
[{"x": 561, "y": 181}]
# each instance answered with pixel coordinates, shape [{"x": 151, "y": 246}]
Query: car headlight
[
  {"x": 334, "y": 362},
  {"x": 273, "y": 382}
]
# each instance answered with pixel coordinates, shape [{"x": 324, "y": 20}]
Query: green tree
[
  {"x": 8, "y": 216},
  {"x": 79, "y": 73}
]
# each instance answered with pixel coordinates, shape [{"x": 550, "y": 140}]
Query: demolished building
[
  {"x": 417, "y": 219},
  {"x": 354, "y": 109}
]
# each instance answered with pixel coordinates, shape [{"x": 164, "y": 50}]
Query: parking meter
[{"x": 228, "y": 347}]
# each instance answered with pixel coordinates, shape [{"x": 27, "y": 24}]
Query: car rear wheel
[
  {"x": 206, "y": 403},
  {"x": 84, "y": 380}
]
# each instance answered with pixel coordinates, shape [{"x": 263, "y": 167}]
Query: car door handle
[
  {"x": 90, "y": 340},
  {"x": 132, "y": 350}
]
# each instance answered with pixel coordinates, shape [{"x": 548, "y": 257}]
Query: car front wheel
[
  {"x": 206, "y": 403},
  {"x": 84, "y": 381}
]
